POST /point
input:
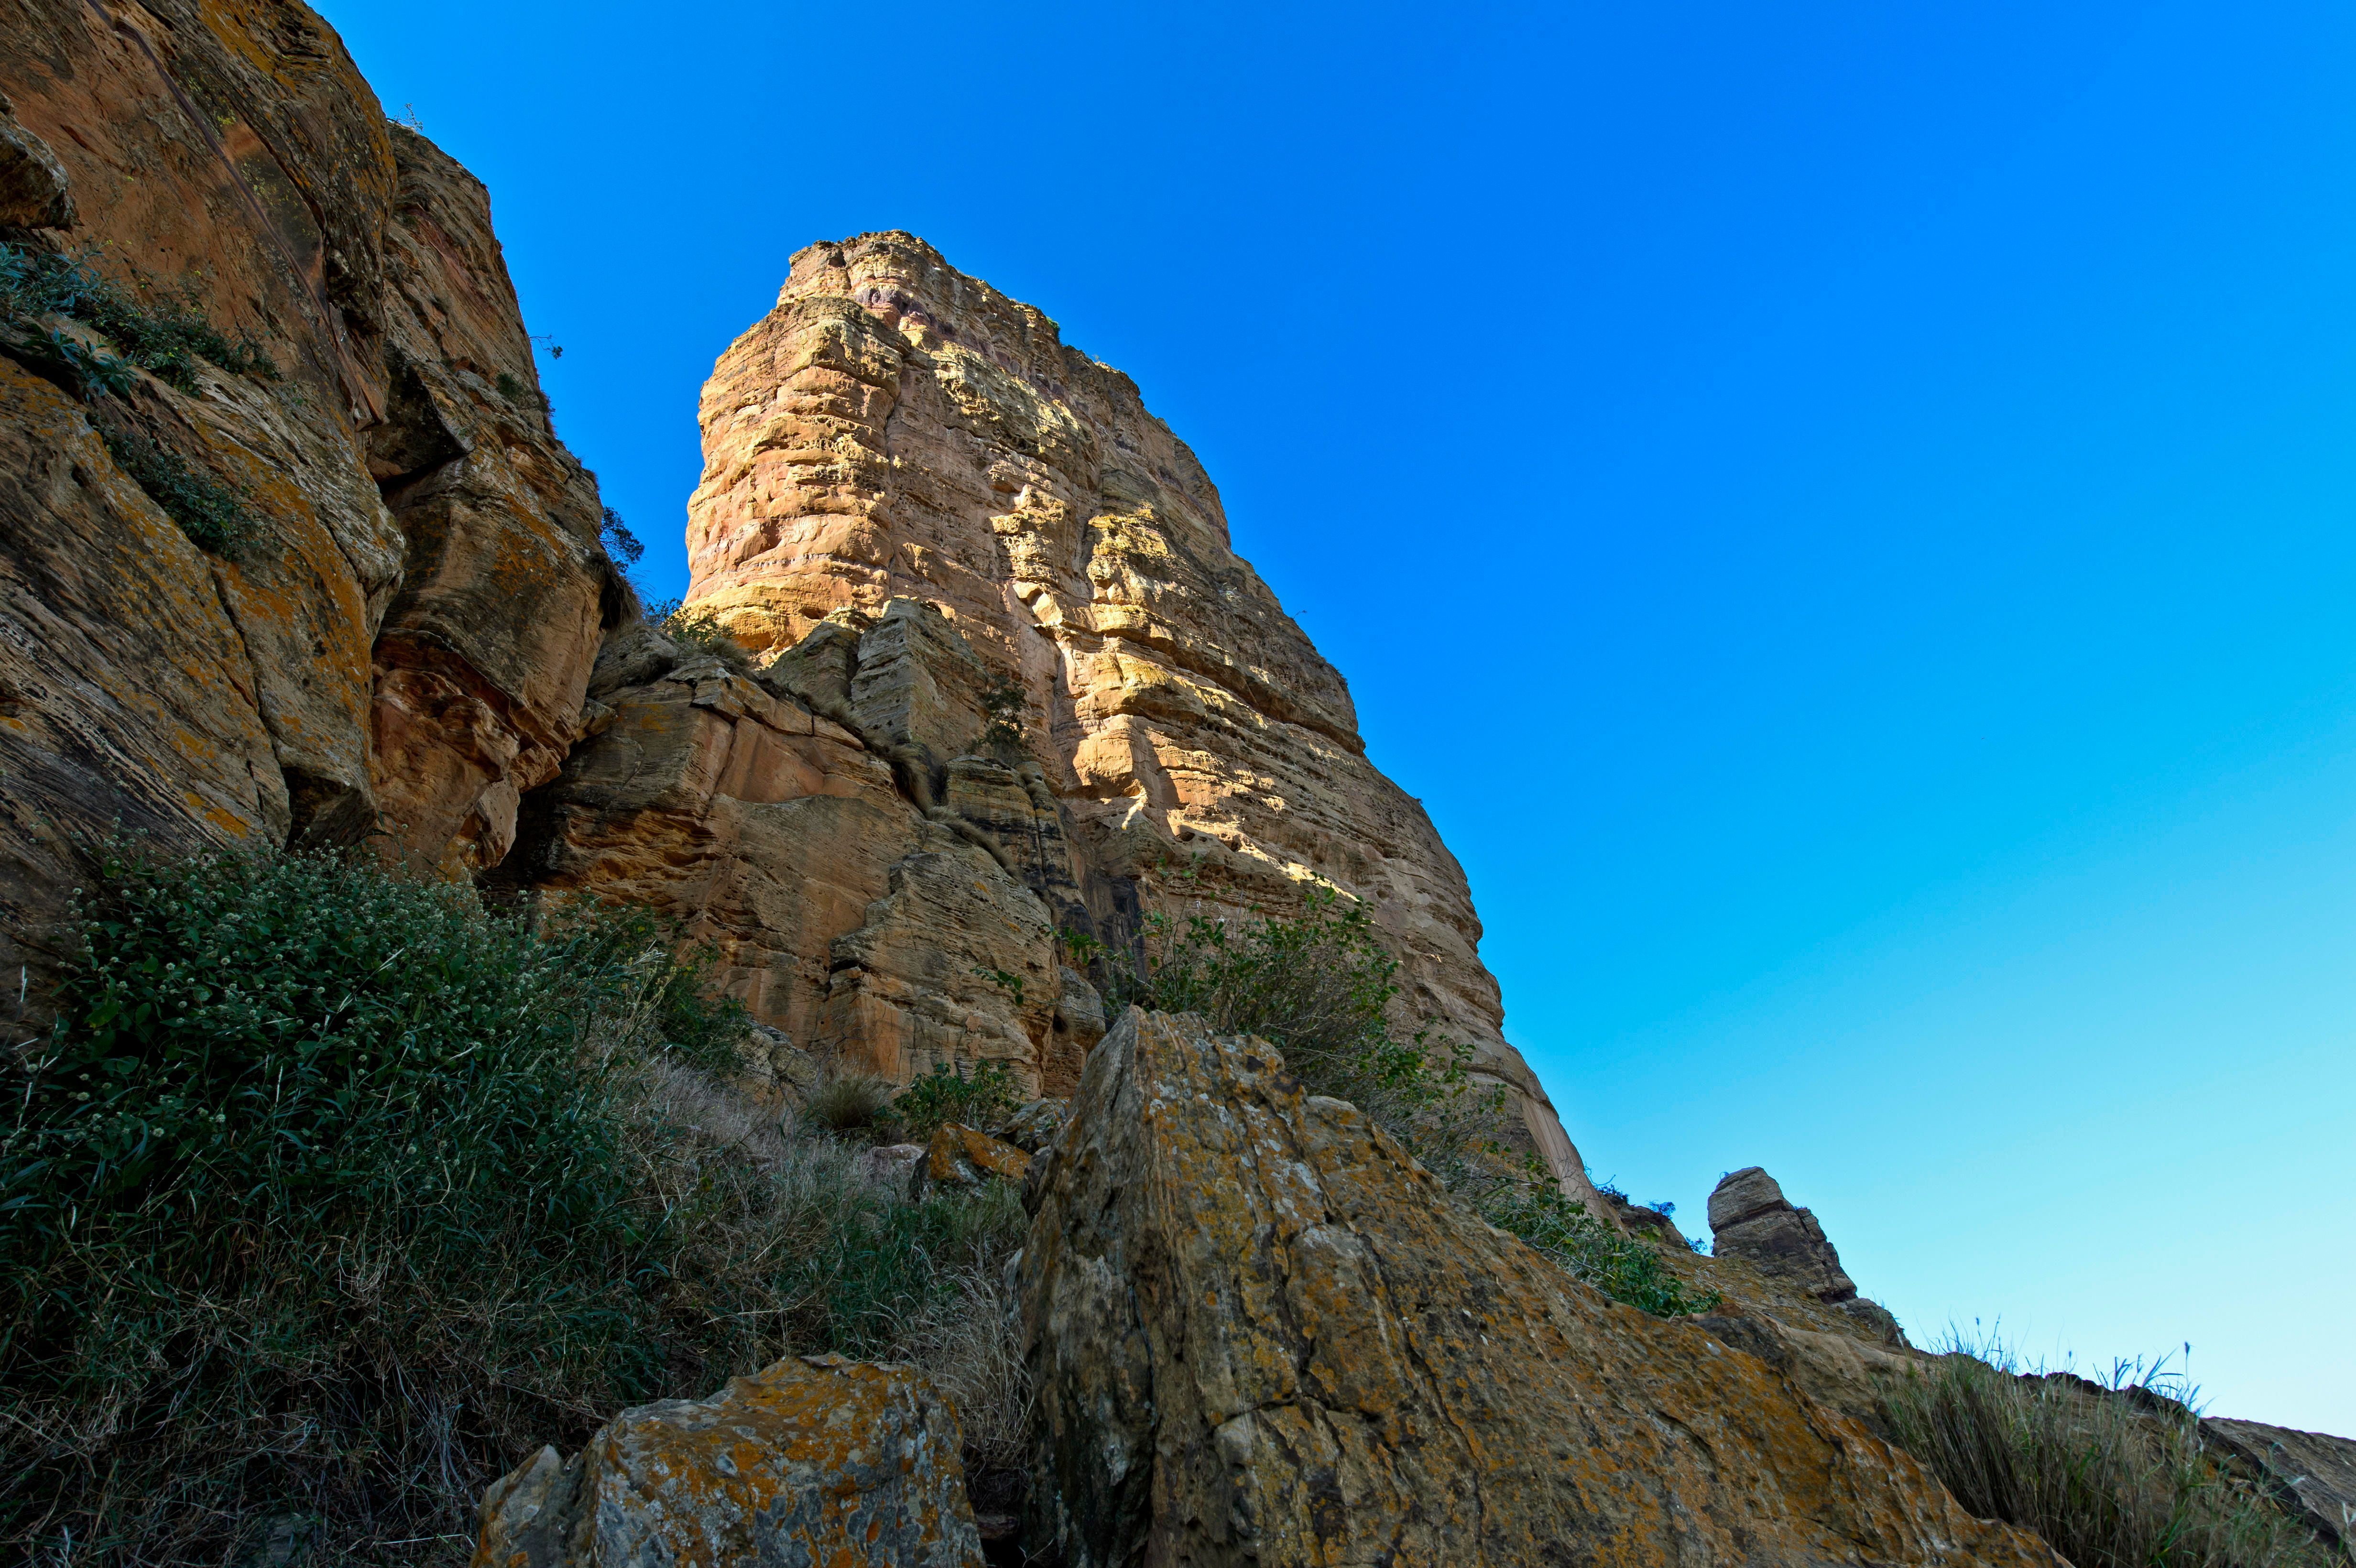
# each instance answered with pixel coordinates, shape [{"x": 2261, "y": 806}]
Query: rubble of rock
[
  {"x": 815, "y": 1460},
  {"x": 1261, "y": 1333}
]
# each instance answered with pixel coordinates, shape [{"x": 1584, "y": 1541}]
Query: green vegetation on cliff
[
  {"x": 1320, "y": 987},
  {"x": 331, "y": 1195}
]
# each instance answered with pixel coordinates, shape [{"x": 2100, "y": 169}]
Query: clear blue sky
[{"x": 1841, "y": 511}]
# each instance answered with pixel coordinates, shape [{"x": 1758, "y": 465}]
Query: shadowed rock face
[
  {"x": 1261, "y": 1334},
  {"x": 895, "y": 431},
  {"x": 406, "y": 642}
]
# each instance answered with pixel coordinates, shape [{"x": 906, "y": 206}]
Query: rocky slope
[{"x": 1007, "y": 679}]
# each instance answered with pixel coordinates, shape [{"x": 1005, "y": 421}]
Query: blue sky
[{"x": 1843, "y": 517}]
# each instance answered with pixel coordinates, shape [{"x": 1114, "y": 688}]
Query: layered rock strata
[
  {"x": 1261, "y": 1333},
  {"x": 930, "y": 508},
  {"x": 403, "y": 645}
]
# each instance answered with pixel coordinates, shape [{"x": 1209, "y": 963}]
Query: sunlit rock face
[{"x": 896, "y": 431}]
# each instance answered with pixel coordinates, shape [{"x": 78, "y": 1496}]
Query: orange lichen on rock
[
  {"x": 960, "y": 1156},
  {"x": 816, "y": 1459}
]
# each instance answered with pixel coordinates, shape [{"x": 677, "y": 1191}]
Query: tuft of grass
[
  {"x": 2111, "y": 1472},
  {"x": 851, "y": 1104},
  {"x": 332, "y": 1195},
  {"x": 947, "y": 1094},
  {"x": 214, "y": 516},
  {"x": 1319, "y": 986},
  {"x": 162, "y": 335}
]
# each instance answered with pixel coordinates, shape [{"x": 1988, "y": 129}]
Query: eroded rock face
[
  {"x": 896, "y": 432},
  {"x": 1752, "y": 1219},
  {"x": 406, "y": 642},
  {"x": 816, "y": 1460},
  {"x": 2312, "y": 1475},
  {"x": 861, "y": 931},
  {"x": 1262, "y": 1334}
]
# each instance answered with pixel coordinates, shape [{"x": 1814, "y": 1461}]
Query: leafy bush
[
  {"x": 1320, "y": 987},
  {"x": 331, "y": 1196},
  {"x": 620, "y": 543},
  {"x": 1620, "y": 1266},
  {"x": 214, "y": 516},
  {"x": 947, "y": 1094},
  {"x": 165, "y": 338},
  {"x": 2112, "y": 1473}
]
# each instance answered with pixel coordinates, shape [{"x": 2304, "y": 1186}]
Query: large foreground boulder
[
  {"x": 818, "y": 1460},
  {"x": 1262, "y": 1333}
]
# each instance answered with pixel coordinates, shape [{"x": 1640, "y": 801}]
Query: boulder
[
  {"x": 960, "y": 1156},
  {"x": 1260, "y": 1332},
  {"x": 816, "y": 1460},
  {"x": 1752, "y": 1219},
  {"x": 1034, "y": 1127}
]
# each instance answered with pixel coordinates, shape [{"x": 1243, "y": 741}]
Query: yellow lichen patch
[{"x": 817, "y": 1459}]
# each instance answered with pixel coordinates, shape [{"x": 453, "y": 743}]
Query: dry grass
[
  {"x": 849, "y": 1103},
  {"x": 2113, "y": 1472}
]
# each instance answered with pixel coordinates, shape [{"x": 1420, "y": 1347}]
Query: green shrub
[
  {"x": 164, "y": 337},
  {"x": 699, "y": 631},
  {"x": 2111, "y": 1472},
  {"x": 1622, "y": 1267},
  {"x": 1319, "y": 986},
  {"x": 947, "y": 1094},
  {"x": 214, "y": 516},
  {"x": 332, "y": 1196}
]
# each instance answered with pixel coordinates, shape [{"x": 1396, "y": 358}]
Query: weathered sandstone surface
[
  {"x": 1261, "y": 1333},
  {"x": 815, "y": 1460},
  {"x": 407, "y": 642},
  {"x": 975, "y": 546}
]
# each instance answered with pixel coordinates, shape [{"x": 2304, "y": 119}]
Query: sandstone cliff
[
  {"x": 406, "y": 642},
  {"x": 1018, "y": 683},
  {"x": 971, "y": 541}
]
